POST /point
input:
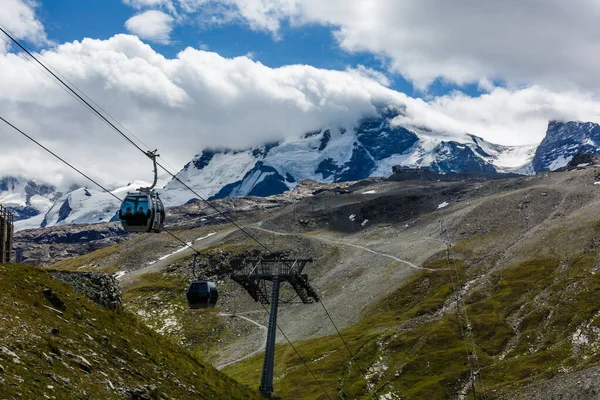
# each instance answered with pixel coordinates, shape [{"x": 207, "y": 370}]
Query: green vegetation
[
  {"x": 159, "y": 300},
  {"x": 526, "y": 319},
  {"x": 87, "y": 261},
  {"x": 523, "y": 322},
  {"x": 379, "y": 334},
  {"x": 88, "y": 351},
  {"x": 156, "y": 282}
]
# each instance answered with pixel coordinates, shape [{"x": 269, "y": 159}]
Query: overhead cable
[
  {"x": 88, "y": 104},
  {"x": 83, "y": 174}
]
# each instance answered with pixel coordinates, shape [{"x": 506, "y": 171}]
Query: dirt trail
[
  {"x": 330, "y": 241},
  {"x": 161, "y": 264},
  {"x": 260, "y": 349}
]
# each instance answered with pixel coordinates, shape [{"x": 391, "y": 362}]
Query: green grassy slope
[
  {"x": 525, "y": 320},
  {"x": 89, "y": 351}
]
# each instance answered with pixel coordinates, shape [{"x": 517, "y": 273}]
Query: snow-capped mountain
[
  {"x": 562, "y": 141},
  {"x": 331, "y": 154},
  {"x": 80, "y": 206},
  {"x": 337, "y": 154},
  {"x": 27, "y": 198}
]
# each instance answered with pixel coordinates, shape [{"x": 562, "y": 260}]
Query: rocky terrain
[
  {"x": 44, "y": 246},
  {"x": 334, "y": 154},
  {"x": 102, "y": 289},
  {"x": 523, "y": 264}
]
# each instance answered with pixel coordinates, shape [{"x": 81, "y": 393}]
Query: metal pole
[
  {"x": 266, "y": 382},
  {"x": 473, "y": 384}
]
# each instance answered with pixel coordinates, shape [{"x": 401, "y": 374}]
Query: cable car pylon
[{"x": 276, "y": 271}]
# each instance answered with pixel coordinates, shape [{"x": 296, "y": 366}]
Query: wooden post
[
  {"x": 2, "y": 236},
  {"x": 6, "y": 235},
  {"x": 9, "y": 241}
]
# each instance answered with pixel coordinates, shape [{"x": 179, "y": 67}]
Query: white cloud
[
  {"x": 503, "y": 116},
  {"x": 18, "y": 16},
  {"x": 201, "y": 99},
  {"x": 190, "y": 6},
  {"x": 152, "y": 25},
  {"x": 554, "y": 43},
  {"x": 371, "y": 73},
  {"x": 142, "y": 4}
]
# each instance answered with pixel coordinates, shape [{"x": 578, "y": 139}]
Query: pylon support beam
[{"x": 277, "y": 271}]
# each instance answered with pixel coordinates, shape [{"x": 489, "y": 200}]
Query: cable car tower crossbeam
[{"x": 276, "y": 271}]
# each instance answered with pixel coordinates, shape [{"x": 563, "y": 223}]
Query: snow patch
[
  {"x": 444, "y": 204},
  {"x": 188, "y": 245},
  {"x": 119, "y": 275},
  {"x": 369, "y": 192},
  {"x": 351, "y": 217},
  {"x": 559, "y": 162},
  {"x": 208, "y": 235}
]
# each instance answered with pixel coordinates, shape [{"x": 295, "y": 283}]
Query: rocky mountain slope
[
  {"x": 562, "y": 141},
  {"x": 26, "y": 198},
  {"x": 329, "y": 155},
  {"x": 76, "y": 206},
  {"x": 73, "y": 348},
  {"x": 338, "y": 154},
  {"x": 45, "y": 246},
  {"x": 524, "y": 251}
]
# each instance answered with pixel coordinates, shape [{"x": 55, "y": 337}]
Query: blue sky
[
  {"x": 546, "y": 66},
  {"x": 315, "y": 45}
]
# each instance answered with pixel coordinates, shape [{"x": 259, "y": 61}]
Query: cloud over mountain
[{"x": 200, "y": 99}]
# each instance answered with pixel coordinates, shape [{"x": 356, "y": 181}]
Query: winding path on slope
[
  {"x": 214, "y": 238},
  {"x": 163, "y": 262},
  {"x": 260, "y": 349},
  {"x": 378, "y": 253}
]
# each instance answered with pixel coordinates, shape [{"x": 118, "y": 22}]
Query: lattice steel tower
[{"x": 276, "y": 271}]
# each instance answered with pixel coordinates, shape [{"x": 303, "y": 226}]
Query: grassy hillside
[
  {"x": 88, "y": 351},
  {"x": 526, "y": 250},
  {"x": 531, "y": 321}
]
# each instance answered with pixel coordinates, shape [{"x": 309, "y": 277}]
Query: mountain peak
[
  {"x": 333, "y": 154},
  {"x": 562, "y": 141},
  {"x": 328, "y": 154}
]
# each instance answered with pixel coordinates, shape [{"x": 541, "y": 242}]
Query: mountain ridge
[
  {"x": 337, "y": 154},
  {"x": 330, "y": 154}
]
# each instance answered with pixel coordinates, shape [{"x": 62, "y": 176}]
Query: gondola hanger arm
[{"x": 152, "y": 155}]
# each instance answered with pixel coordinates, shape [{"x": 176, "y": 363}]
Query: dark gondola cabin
[
  {"x": 202, "y": 294},
  {"x": 142, "y": 211}
]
